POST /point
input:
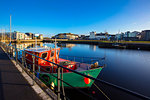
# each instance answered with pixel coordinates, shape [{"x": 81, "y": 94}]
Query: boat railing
[
  {"x": 34, "y": 70},
  {"x": 88, "y": 60}
]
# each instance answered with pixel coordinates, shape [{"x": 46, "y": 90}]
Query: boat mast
[
  {"x": 55, "y": 50},
  {"x": 55, "y": 43},
  {"x": 36, "y": 42}
]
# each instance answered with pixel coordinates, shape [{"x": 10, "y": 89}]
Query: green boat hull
[{"x": 71, "y": 78}]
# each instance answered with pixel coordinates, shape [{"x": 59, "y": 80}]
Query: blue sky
[{"x": 77, "y": 16}]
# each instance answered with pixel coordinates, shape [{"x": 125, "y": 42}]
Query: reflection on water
[
  {"x": 92, "y": 47},
  {"x": 21, "y": 46},
  {"x": 127, "y": 68},
  {"x": 66, "y": 45}
]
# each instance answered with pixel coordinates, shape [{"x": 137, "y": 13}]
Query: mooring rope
[{"x": 101, "y": 91}]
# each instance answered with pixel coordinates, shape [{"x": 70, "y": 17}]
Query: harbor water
[{"x": 129, "y": 69}]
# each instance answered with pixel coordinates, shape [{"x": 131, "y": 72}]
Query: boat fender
[
  {"x": 52, "y": 85},
  {"x": 87, "y": 80},
  {"x": 95, "y": 65},
  {"x": 92, "y": 66}
]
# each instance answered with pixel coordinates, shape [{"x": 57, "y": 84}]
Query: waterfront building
[
  {"x": 29, "y": 35},
  {"x": 127, "y": 34},
  {"x": 26, "y": 37},
  {"x": 92, "y": 35},
  {"x": 118, "y": 37},
  {"x": 102, "y": 36},
  {"x": 41, "y": 36},
  {"x": 145, "y": 35},
  {"x": 139, "y": 36},
  {"x": 112, "y": 37},
  {"x": 98, "y": 36},
  {"x": 82, "y": 37},
  {"x": 70, "y": 36},
  {"x": 38, "y": 36},
  {"x": 18, "y": 35},
  {"x": 131, "y": 36}
]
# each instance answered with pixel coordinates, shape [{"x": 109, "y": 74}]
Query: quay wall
[{"x": 22, "y": 41}]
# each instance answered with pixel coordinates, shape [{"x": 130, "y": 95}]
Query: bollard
[
  {"x": 58, "y": 83},
  {"x": 33, "y": 68}
]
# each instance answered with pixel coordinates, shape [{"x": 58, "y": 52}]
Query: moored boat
[{"x": 49, "y": 70}]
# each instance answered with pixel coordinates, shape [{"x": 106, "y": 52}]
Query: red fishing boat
[{"x": 52, "y": 55}]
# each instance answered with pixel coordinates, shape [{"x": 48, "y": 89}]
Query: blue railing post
[
  {"x": 33, "y": 68},
  {"x": 38, "y": 72},
  {"x": 16, "y": 55}
]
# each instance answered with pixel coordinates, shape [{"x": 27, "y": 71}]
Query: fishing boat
[{"x": 48, "y": 70}]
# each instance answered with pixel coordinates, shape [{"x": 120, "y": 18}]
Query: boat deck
[{"x": 80, "y": 66}]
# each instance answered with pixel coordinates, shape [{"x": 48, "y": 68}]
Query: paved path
[{"x": 13, "y": 86}]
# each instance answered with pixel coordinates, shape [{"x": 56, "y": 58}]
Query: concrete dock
[{"x": 13, "y": 85}]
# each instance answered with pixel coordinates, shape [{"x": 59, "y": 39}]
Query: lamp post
[
  {"x": 10, "y": 28},
  {"x": 4, "y": 35}
]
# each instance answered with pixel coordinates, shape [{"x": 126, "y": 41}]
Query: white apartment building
[
  {"x": 18, "y": 35},
  {"x": 92, "y": 35},
  {"x": 98, "y": 36}
]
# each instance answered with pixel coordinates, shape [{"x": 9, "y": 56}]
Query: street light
[{"x": 10, "y": 28}]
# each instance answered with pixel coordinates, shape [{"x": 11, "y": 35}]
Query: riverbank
[{"x": 142, "y": 45}]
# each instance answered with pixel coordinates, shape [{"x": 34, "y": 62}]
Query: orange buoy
[{"x": 87, "y": 80}]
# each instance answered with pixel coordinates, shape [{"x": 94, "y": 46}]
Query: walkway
[{"x": 13, "y": 86}]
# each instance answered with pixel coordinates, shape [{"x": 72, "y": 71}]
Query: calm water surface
[{"x": 127, "y": 68}]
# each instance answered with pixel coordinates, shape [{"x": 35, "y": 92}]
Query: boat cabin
[{"x": 50, "y": 54}]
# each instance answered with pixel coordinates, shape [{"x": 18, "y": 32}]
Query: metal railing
[
  {"x": 35, "y": 71},
  {"x": 19, "y": 56}
]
